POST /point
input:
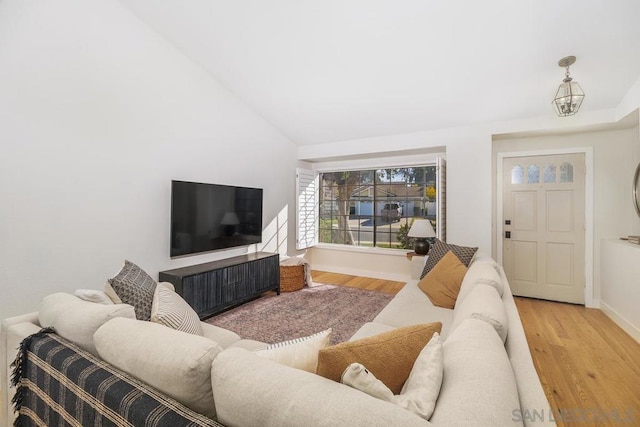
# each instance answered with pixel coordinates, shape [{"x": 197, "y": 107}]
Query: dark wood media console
[{"x": 219, "y": 285}]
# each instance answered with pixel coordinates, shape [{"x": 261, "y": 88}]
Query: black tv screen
[{"x": 208, "y": 217}]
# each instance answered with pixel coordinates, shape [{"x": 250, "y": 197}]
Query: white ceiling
[{"x": 333, "y": 70}]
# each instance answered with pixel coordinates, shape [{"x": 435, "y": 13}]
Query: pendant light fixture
[{"x": 569, "y": 95}]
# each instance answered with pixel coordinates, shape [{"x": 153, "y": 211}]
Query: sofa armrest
[
  {"x": 222, "y": 336},
  {"x": 250, "y": 390},
  {"x": 14, "y": 330},
  {"x": 530, "y": 392}
]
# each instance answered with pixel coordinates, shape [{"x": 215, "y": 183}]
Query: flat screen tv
[{"x": 208, "y": 217}]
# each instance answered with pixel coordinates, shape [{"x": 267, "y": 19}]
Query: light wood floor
[
  {"x": 588, "y": 366},
  {"x": 388, "y": 286}
]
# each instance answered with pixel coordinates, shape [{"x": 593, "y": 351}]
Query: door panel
[
  {"x": 524, "y": 210},
  {"x": 525, "y": 262},
  {"x": 543, "y": 243},
  {"x": 560, "y": 212},
  {"x": 560, "y": 264}
]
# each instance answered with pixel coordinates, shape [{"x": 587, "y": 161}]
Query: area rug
[{"x": 275, "y": 318}]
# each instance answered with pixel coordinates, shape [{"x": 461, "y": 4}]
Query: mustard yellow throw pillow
[
  {"x": 389, "y": 356},
  {"x": 442, "y": 283}
]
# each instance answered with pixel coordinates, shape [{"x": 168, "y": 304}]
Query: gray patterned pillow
[
  {"x": 133, "y": 286},
  {"x": 439, "y": 249}
]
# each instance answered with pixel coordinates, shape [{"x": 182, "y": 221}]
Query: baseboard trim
[
  {"x": 627, "y": 326},
  {"x": 363, "y": 273}
]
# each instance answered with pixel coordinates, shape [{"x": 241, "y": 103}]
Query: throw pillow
[
  {"x": 421, "y": 389},
  {"x": 299, "y": 353},
  {"x": 359, "y": 377},
  {"x": 92, "y": 295},
  {"x": 171, "y": 310},
  {"x": 389, "y": 355},
  {"x": 440, "y": 249},
  {"x": 442, "y": 283},
  {"x": 133, "y": 286}
]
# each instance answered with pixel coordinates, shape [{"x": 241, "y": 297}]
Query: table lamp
[
  {"x": 229, "y": 221},
  {"x": 420, "y": 230}
]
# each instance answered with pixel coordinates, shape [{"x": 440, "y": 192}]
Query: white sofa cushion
[
  {"x": 370, "y": 329},
  {"x": 174, "y": 362},
  {"x": 484, "y": 303},
  {"x": 479, "y": 387},
  {"x": 410, "y": 307},
  {"x": 252, "y": 391},
  {"x": 480, "y": 272},
  {"x": 76, "y": 320}
]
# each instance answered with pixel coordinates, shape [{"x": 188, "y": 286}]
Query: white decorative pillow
[
  {"x": 358, "y": 377},
  {"x": 169, "y": 309},
  {"x": 299, "y": 353},
  {"x": 420, "y": 391},
  {"x": 93, "y": 295},
  {"x": 422, "y": 388}
]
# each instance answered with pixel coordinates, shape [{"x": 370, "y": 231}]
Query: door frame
[{"x": 589, "y": 300}]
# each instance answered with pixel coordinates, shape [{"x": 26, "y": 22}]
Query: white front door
[{"x": 544, "y": 226}]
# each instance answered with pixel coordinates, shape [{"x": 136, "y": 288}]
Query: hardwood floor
[
  {"x": 388, "y": 286},
  {"x": 588, "y": 366}
]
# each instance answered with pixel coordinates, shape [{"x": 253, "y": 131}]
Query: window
[{"x": 375, "y": 208}]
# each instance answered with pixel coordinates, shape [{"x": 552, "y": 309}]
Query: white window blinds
[
  {"x": 441, "y": 185},
  {"x": 307, "y": 208}
]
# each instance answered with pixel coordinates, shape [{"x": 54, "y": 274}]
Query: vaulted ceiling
[{"x": 333, "y": 70}]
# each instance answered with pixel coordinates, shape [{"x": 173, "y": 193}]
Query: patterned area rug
[{"x": 291, "y": 315}]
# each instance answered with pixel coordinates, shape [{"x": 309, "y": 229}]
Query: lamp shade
[
  {"x": 421, "y": 228},
  {"x": 230, "y": 218}
]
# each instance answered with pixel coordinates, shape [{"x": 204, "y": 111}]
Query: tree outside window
[{"x": 375, "y": 208}]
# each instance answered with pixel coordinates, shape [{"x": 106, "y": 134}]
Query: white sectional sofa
[{"x": 489, "y": 377}]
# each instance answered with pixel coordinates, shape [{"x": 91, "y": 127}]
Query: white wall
[
  {"x": 620, "y": 279},
  {"x": 615, "y": 156},
  {"x": 97, "y": 115}
]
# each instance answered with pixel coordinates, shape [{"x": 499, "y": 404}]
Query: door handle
[{"x": 507, "y": 234}]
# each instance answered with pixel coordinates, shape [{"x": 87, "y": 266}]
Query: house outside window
[{"x": 376, "y": 207}]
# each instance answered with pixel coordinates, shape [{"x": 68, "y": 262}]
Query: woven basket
[{"x": 291, "y": 278}]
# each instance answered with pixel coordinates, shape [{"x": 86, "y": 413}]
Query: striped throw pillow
[
  {"x": 171, "y": 310},
  {"x": 299, "y": 353}
]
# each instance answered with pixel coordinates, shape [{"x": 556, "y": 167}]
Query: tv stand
[{"x": 216, "y": 286}]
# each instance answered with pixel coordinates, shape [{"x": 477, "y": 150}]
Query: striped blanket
[{"x": 58, "y": 384}]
